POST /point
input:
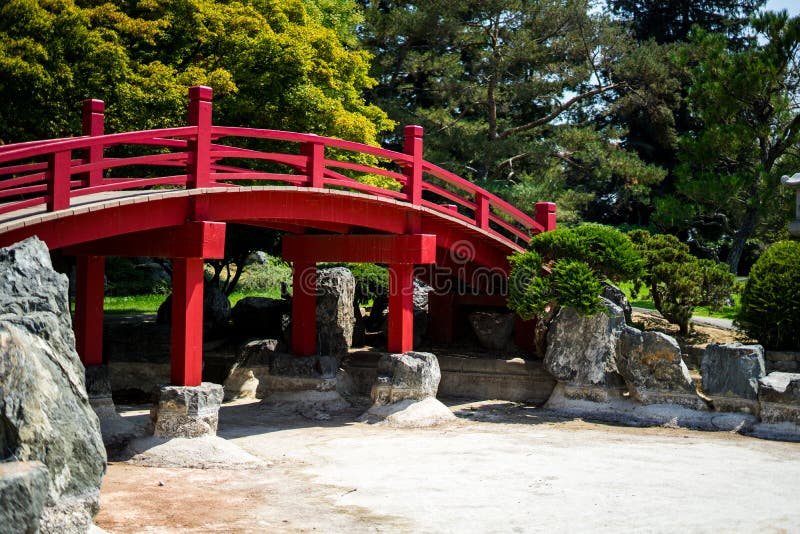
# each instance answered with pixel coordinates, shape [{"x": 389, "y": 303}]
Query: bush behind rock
[{"x": 770, "y": 308}]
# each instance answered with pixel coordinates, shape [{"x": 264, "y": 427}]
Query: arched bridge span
[{"x": 168, "y": 192}]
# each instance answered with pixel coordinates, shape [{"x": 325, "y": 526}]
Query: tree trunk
[{"x": 740, "y": 238}]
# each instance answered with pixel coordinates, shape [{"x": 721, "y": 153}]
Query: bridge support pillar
[
  {"x": 401, "y": 307},
  {"x": 186, "y": 367},
  {"x": 304, "y": 308},
  {"x": 89, "y": 287}
]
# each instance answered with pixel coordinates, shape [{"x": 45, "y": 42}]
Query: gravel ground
[{"x": 500, "y": 467}]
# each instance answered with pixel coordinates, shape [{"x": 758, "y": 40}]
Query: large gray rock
[
  {"x": 216, "y": 312},
  {"x": 413, "y": 375},
  {"x": 732, "y": 370},
  {"x": 335, "y": 317},
  {"x": 581, "y": 351},
  {"x": 651, "y": 365},
  {"x": 493, "y": 329},
  {"x": 45, "y": 414},
  {"x": 404, "y": 392},
  {"x": 779, "y": 395},
  {"x": 185, "y": 411},
  {"x": 259, "y": 316},
  {"x": 23, "y": 492},
  {"x": 617, "y": 296}
]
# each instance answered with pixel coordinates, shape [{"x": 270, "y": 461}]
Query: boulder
[
  {"x": 731, "y": 371},
  {"x": 259, "y": 316},
  {"x": 257, "y": 258},
  {"x": 335, "y": 318},
  {"x": 779, "y": 396},
  {"x": 45, "y": 413},
  {"x": 23, "y": 492},
  {"x": 493, "y": 329},
  {"x": 404, "y": 392},
  {"x": 216, "y": 312},
  {"x": 654, "y": 373},
  {"x": 617, "y": 296},
  {"x": 185, "y": 411},
  {"x": 412, "y": 375},
  {"x": 581, "y": 351}
]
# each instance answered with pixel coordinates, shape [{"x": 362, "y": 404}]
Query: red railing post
[
  {"x": 199, "y": 162},
  {"x": 315, "y": 166},
  {"x": 546, "y": 215},
  {"x": 58, "y": 177},
  {"x": 93, "y": 125},
  {"x": 482, "y": 204},
  {"x": 412, "y": 145}
]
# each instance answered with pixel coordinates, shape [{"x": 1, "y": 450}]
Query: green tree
[
  {"x": 271, "y": 64},
  {"x": 672, "y": 20},
  {"x": 510, "y": 92},
  {"x": 678, "y": 282},
  {"x": 746, "y": 101}
]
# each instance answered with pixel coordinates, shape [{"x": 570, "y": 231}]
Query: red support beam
[
  {"x": 315, "y": 166},
  {"x": 410, "y": 249},
  {"x": 198, "y": 239},
  {"x": 58, "y": 177},
  {"x": 546, "y": 215},
  {"x": 401, "y": 307},
  {"x": 304, "y": 308},
  {"x": 200, "y": 110},
  {"x": 89, "y": 286},
  {"x": 187, "y": 322},
  {"x": 482, "y": 205},
  {"x": 412, "y": 145},
  {"x": 93, "y": 125}
]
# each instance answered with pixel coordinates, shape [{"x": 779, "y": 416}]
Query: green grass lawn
[
  {"x": 643, "y": 300},
  {"x": 147, "y": 304}
]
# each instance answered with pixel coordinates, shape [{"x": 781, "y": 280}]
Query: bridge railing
[{"x": 53, "y": 172}]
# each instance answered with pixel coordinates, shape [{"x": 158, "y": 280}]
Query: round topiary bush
[{"x": 770, "y": 309}]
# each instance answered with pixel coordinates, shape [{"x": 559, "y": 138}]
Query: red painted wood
[
  {"x": 93, "y": 124},
  {"x": 412, "y": 249},
  {"x": 195, "y": 239},
  {"x": 186, "y": 368},
  {"x": 482, "y": 204},
  {"x": 412, "y": 145},
  {"x": 315, "y": 164},
  {"x": 200, "y": 109},
  {"x": 440, "y": 316},
  {"x": 304, "y": 308},
  {"x": 401, "y": 307},
  {"x": 58, "y": 176},
  {"x": 546, "y": 215},
  {"x": 89, "y": 290}
]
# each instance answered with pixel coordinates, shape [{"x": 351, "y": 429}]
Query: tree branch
[{"x": 561, "y": 108}]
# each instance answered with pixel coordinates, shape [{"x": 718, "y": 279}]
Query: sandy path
[{"x": 504, "y": 468}]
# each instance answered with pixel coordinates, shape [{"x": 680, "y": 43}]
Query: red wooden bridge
[{"x": 170, "y": 192}]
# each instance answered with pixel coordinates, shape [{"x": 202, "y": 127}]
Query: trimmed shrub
[
  {"x": 770, "y": 308},
  {"x": 578, "y": 259},
  {"x": 677, "y": 280},
  {"x": 607, "y": 251}
]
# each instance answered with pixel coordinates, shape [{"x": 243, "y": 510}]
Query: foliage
[
  {"x": 266, "y": 277},
  {"x": 605, "y": 250},
  {"x": 770, "y": 310},
  {"x": 372, "y": 281},
  {"x": 672, "y": 20},
  {"x": 579, "y": 260},
  {"x": 746, "y": 101},
  {"x": 285, "y": 65},
  {"x": 677, "y": 280},
  {"x": 124, "y": 278},
  {"x": 511, "y": 94},
  {"x": 241, "y": 241}
]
